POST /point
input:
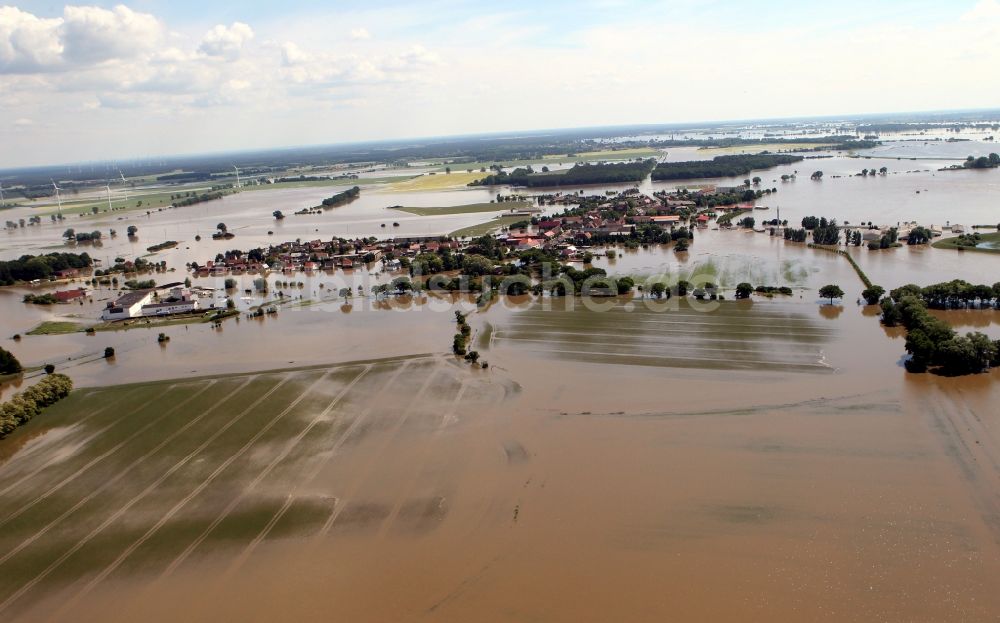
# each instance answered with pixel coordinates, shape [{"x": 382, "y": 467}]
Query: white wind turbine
[
  {"x": 1, "y": 194},
  {"x": 58, "y": 197},
  {"x": 108, "y": 187},
  {"x": 124, "y": 184},
  {"x": 238, "y": 184}
]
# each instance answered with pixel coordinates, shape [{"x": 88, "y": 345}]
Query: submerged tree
[{"x": 831, "y": 291}]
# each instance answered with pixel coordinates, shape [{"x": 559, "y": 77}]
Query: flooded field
[
  {"x": 624, "y": 459},
  {"x": 758, "y": 485}
]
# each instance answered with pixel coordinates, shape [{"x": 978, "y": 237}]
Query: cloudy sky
[{"x": 152, "y": 77}]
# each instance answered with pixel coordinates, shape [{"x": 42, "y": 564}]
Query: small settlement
[{"x": 164, "y": 301}]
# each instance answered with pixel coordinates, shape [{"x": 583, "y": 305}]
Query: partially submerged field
[
  {"x": 144, "y": 480},
  {"x": 607, "y": 466},
  {"x": 732, "y": 336},
  {"x": 469, "y": 208},
  {"x": 989, "y": 243},
  {"x": 438, "y": 181}
]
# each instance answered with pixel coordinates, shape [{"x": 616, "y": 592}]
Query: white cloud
[
  {"x": 226, "y": 42},
  {"x": 28, "y": 43},
  {"x": 360, "y": 34},
  {"x": 82, "y": 37},
  {"x": 91, "y": 34},
  {"x": 328, "y": 69}
]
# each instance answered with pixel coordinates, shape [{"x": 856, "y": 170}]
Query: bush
[
  {"x": 29, "y": 403},
  {"x": 49, "y": 368},
  {"x": 8, "y": 362},
  {"x": 109, "y": 352}
]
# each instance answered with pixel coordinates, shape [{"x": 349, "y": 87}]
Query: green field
[
  {"x": 670, "y": 333},
  {"x": 469, "y": 208},
  {"x": 991, "y": 239},
  {"x": 139, "y": 481},
  {"x": 484, "y": 228},
  {"x": 56, "y": 327}
]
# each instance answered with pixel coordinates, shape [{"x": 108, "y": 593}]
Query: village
[{"x": 580, "y": 231}]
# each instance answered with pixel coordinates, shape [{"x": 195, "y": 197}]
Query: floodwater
[
  {"x": 749, "y": 461},
  {"x": 595, "y": 489}
]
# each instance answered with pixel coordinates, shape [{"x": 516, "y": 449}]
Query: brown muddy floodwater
[
  {"x": 803, "y": 477},
  {"x": 649, "y": 461}
]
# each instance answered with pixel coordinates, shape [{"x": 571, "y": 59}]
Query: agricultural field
[
  {"x": 438, "y": 181},
  {"x": 733, "y": 336},
  {"x": 142, "y": 481},
  {"x": 757, "y": 148},
  {"x": 469, "y": 208},
  {"x": 484, "y": 228}
]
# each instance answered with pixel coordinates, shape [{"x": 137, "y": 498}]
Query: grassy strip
[
  {"x": 56, "y": 327},
  {"x": 468, "y": 208},
  {"x": 485, "y": 228},
  {"x": 949, "y": 243},
  {"x": 864, "y": 278}
]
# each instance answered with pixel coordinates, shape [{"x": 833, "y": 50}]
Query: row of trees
[
  {"x": 721, "y": 166},
  {"x": 955, "y": 294},
  {"x": 22, "y": 407},
  {"x": 586, "y": 173},
  {"x": 31, "y": 267},
  {"x": 342, "y": 198}
]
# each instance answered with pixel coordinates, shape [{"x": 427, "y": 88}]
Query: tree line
[
  {"x": 342, "y": 198},
  {"x": 585, "y": 173},
  {"x": 22, "y": 407},
  {"x": 720, "y": 166}
]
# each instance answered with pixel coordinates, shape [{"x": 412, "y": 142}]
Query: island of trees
[
  {"x": 342, "y": 198},
  {"x": 586, "y": 173},
  {"x": 720, "y": 166}
]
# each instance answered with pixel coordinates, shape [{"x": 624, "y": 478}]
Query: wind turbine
[
  {"x": 58, "y": 198},
  {"x": 1, "y": 194},
  {"x": 238, "y": 184},
  {"x": 108, "y": 187},
  {"x": 124, "y": 184}
]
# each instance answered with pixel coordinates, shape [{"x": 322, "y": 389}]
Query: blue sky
[{"x": 112, "y": 80}]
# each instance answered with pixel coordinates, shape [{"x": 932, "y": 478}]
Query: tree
[
  {"x": 229, "y": 283},
  {"x": 9, "y": 363},
  {"x": 49, "y": 368},
  {"x": 873, "y": 294},
  {"x": 230, "y": 303},
  {"x": 658, "y": 289},
  {"x": 277, "y": 215},
  {"x": 831, "y": 292},
  {"x": 109, "y": 352},
  {"x": 222, "y": 227},
  {"x": 817, "y": 175},
  {"x": 625, "y": 285},
  {"x": 70, "y": 234},
  {"x": 743, "y": 290}
]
